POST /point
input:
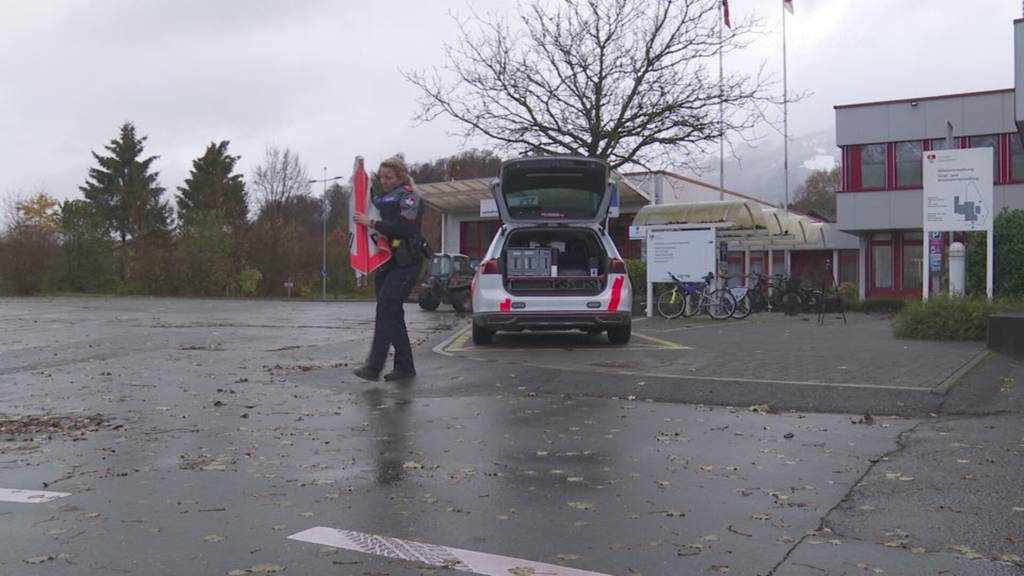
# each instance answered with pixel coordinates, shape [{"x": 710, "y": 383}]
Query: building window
[
  {"x": 908, "y": 164},
  {"x": 872, "y": 166},
  {"x": 940, "y": 144},
  {"x": 778, "y": 263},
  {"x": 848, "y": 266},
  {"x": 881, "y": 261},
  {"x": 989, "y": 142},
  {"x": 757, "y": 263},
  {"x": 735, "y": 263},
  {"x": 1016, "y": 158},
  {"x": 913, "y": 260}
]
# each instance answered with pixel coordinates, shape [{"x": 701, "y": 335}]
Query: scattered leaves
[{"x": 258, "y": 569}]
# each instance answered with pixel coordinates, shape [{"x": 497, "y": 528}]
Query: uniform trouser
[{"x": 394, "y": 284}]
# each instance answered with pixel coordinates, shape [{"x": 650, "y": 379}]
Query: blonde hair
[{"x": 397, "y": 165}]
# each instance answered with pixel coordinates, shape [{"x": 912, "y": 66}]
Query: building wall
[{"x": 924, "y": 119}]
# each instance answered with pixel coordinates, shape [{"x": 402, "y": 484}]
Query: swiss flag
[
  {"x": 788, "y": 5},
  {"x": 725, "y": 13}
]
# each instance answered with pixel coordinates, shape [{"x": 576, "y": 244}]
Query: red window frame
[{"x": 853, "y": 178}]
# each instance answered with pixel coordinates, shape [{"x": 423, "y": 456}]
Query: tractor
[{"x": 448, "y": 281}]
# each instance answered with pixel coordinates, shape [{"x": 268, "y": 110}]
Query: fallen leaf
[
  {"x": 719, "y": 568},
  {"x": 568, "y": 557},
  {"x": 38, "y": 559},
  {"x": 213, "y": 538},
  {"x": 675, "y": 513},
  {"x": 411, "y": 465},
  {"x": 581, "y": 505},
  {"x": 761, "y": 516},
  {"x": 522, "y": 571},
  {"x": 967, "y": 552},
  {"x": 1018, "y": 508}
]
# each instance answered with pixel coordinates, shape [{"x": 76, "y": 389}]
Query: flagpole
[
  {"x": 785, "y": 113},
  {"x": 721, "y": 110}
]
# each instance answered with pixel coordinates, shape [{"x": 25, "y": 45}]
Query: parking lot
[{"x": 229, "y": 437}]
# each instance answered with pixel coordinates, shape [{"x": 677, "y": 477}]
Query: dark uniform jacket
[{"x": 401, "y": 220}]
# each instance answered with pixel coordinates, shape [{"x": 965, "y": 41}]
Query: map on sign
[{"x": 958, "y": 189}]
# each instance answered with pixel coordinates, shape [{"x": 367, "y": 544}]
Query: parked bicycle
[
  {"x": 688, "y": 298},
  {"x": 742, "y": 296}
]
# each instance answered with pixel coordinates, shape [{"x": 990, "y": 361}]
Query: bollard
[{"x": 957, "y": 269}]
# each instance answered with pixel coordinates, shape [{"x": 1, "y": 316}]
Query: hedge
[{"x": 946, "y": 318}]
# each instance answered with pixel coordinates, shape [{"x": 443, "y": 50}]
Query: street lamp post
[{"x": 323, "y": 218}]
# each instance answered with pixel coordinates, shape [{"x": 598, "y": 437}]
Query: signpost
[{"x": 958, "y": 197}]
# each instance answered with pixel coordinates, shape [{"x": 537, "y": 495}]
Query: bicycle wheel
[
  {"x": 721, "y": 304},
  {"x": 743, "y": 307},
  {"x": 671, "y": 304},
  {"x": 692, "y": 305}
]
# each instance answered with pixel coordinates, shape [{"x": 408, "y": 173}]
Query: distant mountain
[{"x": 757, "y": 170}]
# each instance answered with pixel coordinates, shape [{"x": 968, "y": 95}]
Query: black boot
[
  {"x": 399, "y": 375},
  {"x": 366, "y": 373}
]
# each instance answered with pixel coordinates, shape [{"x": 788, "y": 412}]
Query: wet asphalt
[{"x": 234, "y": 424}]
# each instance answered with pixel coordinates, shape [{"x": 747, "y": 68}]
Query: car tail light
[
  {"x": 618, "y": 267},
  {"x": 489, "y": 267}
]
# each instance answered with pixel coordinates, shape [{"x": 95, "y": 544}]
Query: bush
[
  {"x": 637, "y": 275},
  {"x": 946, "y": 318},
  {"x": 1009, "y": 256},
  {"x": 250, "y": 281},
  {"x": 849, "y": 293}
]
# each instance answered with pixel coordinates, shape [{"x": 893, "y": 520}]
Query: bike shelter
[{"x": 688, "y": 238}]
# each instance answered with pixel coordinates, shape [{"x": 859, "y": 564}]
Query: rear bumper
[{"x": 551, "y": 321}]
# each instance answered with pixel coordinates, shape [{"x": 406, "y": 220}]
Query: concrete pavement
[{"x": 226, "y": 426}]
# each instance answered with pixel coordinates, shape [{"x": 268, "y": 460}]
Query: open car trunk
[{"x": 538, "y": 261}]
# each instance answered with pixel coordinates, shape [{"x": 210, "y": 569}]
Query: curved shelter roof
[
  {"x": 748, "y": 222},
  {"x": 742, "y": 214}
]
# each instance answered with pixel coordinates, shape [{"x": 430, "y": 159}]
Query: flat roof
[{"x": 900, "y": 100}]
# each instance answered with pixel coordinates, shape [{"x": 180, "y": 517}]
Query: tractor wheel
[
  {"x": 427, "y": 301},
  {"x": 462, "y": 301}
]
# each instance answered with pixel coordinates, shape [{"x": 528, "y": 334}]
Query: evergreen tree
[
  {"x": 212, "y": 187},
  {"x": 128, "y": 197},
  {"x": 213, "y": 217}
]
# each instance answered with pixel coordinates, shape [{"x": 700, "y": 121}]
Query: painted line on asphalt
[
  {"x": 442, "y": 347},
  {"x": 460, "y": 343},
  {"x": 29, "y": 496},
  {"x": 432, "y": 554},
  {"x": 732, "y": 379}
]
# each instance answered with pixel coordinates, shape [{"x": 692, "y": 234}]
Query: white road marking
[
  {"x": 432, "y": 554},
  {"x": 29, "y": 496}
]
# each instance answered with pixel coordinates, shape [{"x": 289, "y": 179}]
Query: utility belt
[{"x": 409, "y": 251}]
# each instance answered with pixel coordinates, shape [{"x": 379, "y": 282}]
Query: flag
[
  {"x": 725, "y": 12},
  {"x": 788, "y": 5}
]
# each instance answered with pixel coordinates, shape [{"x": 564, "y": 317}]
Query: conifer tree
[{"x": 127, "y": 195}]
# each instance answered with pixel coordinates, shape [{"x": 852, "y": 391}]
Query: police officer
[{"x": 401, "y": 216}]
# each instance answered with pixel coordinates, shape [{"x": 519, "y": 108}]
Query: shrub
[
  {"x": 250, "y": 281},
  {"x": 1009, "y": 256},
  {"x": 637, "y": 275},
  {"x": 849, "y": 292},
  {"x": 946, "y": 318}
]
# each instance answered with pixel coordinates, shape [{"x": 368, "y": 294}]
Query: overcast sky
[{"x": 324, "y": 77}]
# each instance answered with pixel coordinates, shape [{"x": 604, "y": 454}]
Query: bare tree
[
  {"x": 281, "y": 185},
  {"x": 279, "y": 177},
  {"x": 628, "y": 81}
]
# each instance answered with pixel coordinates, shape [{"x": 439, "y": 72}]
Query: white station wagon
[{"x": 552, "y": 265}]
